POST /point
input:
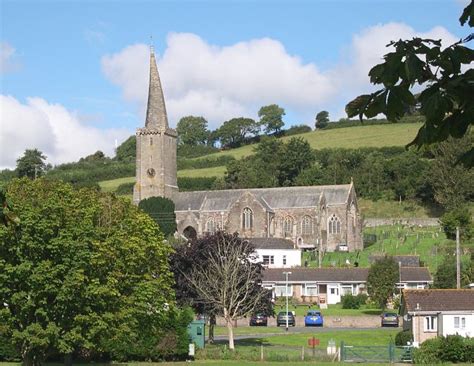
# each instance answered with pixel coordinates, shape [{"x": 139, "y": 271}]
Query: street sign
[{"x": 312, "y": 342}]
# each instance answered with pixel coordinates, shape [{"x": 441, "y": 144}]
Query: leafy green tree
[
  {"x": 192, "y": 130},
  {"x": 446, "y": 100},
  {"x": 31, "y": 164},
  {"x": 297, "y": 156},
  {"x": 458, "y": 217},
  {"x": 82, "y": 271},
  {"x": 271, "y": 117},
  {"x": 451, "y": 182},
  {"x": 382, "y": 279},
  {"x": 311, "y": 176},
  {"x": 235, "y": 131},
  {"x": 161, "y": 210},
  {"x": 321, "y": 120},
  {"x": 127, "y": 150}
]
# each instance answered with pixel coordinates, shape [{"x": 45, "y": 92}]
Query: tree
[
  {"x": 445, "y": 276},
  {"x": 382, "y": 279},
  {"x": 451, "y": 182},
  {"x": 446, "y": 101},
  {"x": 100, "y": 283},
  {"x": 297, "y": 156},
  {"x": 161, "y": 210},
  {"x": 127, "y": 150},
  {"x": 228, "y": 280},
  {"x": 271, "y": 116},
  {"x": 31, "y": 164},
  {"x": 321, "y": 120},
  {"x": 235, "y": 131},
  {"x": 457, "y": 217},
  {"x": 192, "y": 130}
]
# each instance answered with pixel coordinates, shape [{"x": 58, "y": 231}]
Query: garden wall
[{"x": 411, "y": 221}]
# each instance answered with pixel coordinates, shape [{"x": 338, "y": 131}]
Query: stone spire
[{"x": 156, "y": 117}]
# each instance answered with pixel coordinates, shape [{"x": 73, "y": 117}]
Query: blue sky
[{"x": 74, "y": 74}]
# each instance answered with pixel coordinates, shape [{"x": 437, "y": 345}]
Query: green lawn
[
  {"x": 398, "y": 134},
  {"x": 332, "y": 310}
]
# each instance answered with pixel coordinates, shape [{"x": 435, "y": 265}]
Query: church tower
[{"x": 156, "y": 146}]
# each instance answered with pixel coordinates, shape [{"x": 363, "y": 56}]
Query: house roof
[
  {"x": 316, "y": 274},
  {"x": 405, "y": 260},
  {"x": 438, "y": 300},
  {"x": 272, "y": 243},
  {"x": 415, "y": 274},
  {"x": 302, "y": 274},
  {"x": 271, "y": 198}
]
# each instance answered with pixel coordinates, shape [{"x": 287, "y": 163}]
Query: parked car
[
  {"x": 259, "y": 319},
  {"x": 313, "y": 318},
  {"x": 283, "y": 315},
  {"x": 389, "y": 319}
]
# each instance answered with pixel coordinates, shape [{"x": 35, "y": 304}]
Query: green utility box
[{"x": 196, "y": 331}]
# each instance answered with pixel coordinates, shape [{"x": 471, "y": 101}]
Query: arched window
[
  {"x": 210, "y": 226},
  {"x": 247, "y": 219},
  {"x": 307, "y": 225},
  {"x": 334, "y": 225},
  {"x": 288, "y": 226}
]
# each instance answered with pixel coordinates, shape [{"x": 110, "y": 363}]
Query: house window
[
  {"x": 288, "y": 226},
  {"x": 284, "y": 260},
  {"x": 334, "y": 291},
  {"x": 346, "y": 290},
  {"x": 311, "y": 290},
  {"x": 459, "y": 322},
  {"x": 307, "y": 225},
  {"x": 247, "y": 219},
  {"x": 281, "y": 290},
  {"x": 430, "y": 323},
  {"x": 334, "y": 225},
  {"x": 456, "y": 322},
  {"x": 463, "y": 323},
  {"x": 211, "y": 226},
  {"x": 268, "y": 259}
]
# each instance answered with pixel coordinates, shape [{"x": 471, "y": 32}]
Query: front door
[{"x": 333, "y": 294}]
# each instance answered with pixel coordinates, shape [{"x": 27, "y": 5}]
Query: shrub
[
  {"x": 350, "y": 302},
  {"x": 453, "y": 349},
  {"x": 186, "y": 163},
  {"x": 188, "y": 151},
  {"x": 403, "y": 337},
  {"x": 125, "y": 189},
  {"x": 428, "y": 353},
  {"x": 161, "y": 210},
  {"x": 296, "y": 130}
]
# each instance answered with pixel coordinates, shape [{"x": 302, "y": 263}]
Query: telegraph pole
[{"x": 458, "y": 260}]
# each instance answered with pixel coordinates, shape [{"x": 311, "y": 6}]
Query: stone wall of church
[
  {"x": 260, "y": 218},
  {"x": 294, "y": 219}
]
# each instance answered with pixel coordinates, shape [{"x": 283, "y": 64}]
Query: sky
[{"x": 74, "y": 74}]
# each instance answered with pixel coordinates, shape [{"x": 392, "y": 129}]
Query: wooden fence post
[
  {"x": 302, "y": 353},
  {"x": 261, "y": 352}
]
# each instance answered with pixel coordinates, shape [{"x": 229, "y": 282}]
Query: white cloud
[
  {"x": 223, "y": 82},
  {"x": 52, "y": 129},
  {"x": 7, "y": 58}
]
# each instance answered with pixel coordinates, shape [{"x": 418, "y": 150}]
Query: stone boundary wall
[
  {"x": 363, "y": 321},
  {"x": 432, "y": 221}
]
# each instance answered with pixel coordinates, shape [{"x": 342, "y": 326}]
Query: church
[{"x": 311, "y": 217}]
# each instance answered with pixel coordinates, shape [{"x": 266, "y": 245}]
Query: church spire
[{"x": 156, "y": 109}]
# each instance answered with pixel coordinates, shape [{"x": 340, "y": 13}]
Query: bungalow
[
  {"x": 277, "y": 252},
  {"x": 430, "y": 313},
  {"x": 327, "y": 285}
]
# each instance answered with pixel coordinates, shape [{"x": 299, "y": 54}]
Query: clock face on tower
[{"x": 150, "y": 172}]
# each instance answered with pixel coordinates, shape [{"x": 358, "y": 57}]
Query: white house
[
  {"x": 327, "y": 285},
  {"x": 277, "y": 252},
  {"x": 430, "y": 313}
]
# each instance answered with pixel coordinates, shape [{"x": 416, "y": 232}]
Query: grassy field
[
  {"x": 394, "y": 209},
  {"x": 398, "y": 134},
  {"x": 332, "y": 310}
]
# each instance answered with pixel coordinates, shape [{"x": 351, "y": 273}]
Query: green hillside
[{"x": 397, "y": 134}]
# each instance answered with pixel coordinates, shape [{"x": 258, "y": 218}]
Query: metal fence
[{"x": 382, "y": 354}]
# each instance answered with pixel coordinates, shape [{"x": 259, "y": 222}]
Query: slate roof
[
  {"x": 285, "y": 197},
  {"x": 415, "y": 274},
  {"x": 316, "y": 274},
  {"x": 301, "y": 274},
  {"x": 272, "y": 243},
  {"x": 406, "y": 260},
  {"x": 438, "y": 300}
]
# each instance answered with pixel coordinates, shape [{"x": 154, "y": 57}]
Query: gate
[{"x": 377, "y": 354}]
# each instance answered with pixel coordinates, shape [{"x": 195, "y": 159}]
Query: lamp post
[{"x": 286, "y": 293}]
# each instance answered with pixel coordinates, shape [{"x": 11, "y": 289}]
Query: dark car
[
  {"x": 259, "y": 319},
  {"x": 313, "y": 318},
  {"x": 389, "y": 319},
  {"x": 283, "y": 316}
]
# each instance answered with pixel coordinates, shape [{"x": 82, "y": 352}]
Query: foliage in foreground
[
  {"x": 452, "y": 348},
  {"x": 382, "y": 279},
  {"x": 84, "y": 273}
]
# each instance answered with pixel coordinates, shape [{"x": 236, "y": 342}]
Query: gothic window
[
  {"x": 334, "y": 225},
  {"x": 288, "y": 226},
  {"x": 247, "y": 219},
  {"x": 211, "y": 226},
  {"x": 307, "y": 225}
]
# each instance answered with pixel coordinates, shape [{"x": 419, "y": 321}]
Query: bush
[
  {"x": 188, "y": 151},
  {"x": 353, "y": 302},
  {"x": 403, "y": 337},
  {"x": 186, "y": 163},
  {"x": 296, "y": 130},
  {"x": 125, "y": 189},
  {"x": 428, "y": 353},
  {"x": 453, "y": 348},
  {"x": 161, "y": 210}
]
